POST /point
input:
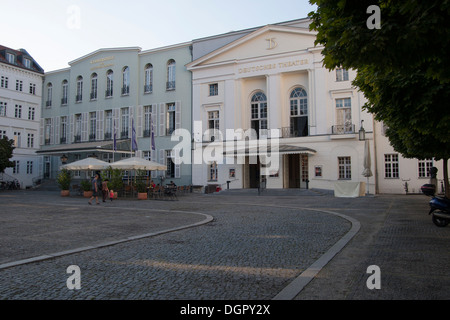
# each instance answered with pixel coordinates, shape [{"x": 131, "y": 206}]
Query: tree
[
  {"x": 6, "y": 152},
  {"x": 402, "y": 68}
]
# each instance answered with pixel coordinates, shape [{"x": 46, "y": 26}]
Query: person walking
[
  {"x": 94, "y": 190},
  {"x": 105, "y": 190}
]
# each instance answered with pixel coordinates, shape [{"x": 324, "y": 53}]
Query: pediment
[{"x": 267, "y": 41}]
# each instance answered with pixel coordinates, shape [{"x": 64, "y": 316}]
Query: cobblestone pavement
[{"x": 253, "y": 248}]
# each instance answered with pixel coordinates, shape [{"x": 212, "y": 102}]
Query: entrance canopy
[
  {"x": 262, "y": 151},
  {"x": 123, "y": 146}
]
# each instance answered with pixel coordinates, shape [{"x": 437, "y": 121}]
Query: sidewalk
[{"x": 395, "y": 233}]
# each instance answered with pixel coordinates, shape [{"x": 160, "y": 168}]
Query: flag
[
  {"x": 153, "y": 135},
  {"x": 114, "y": 134},
  {"x": 133, "y": 137}
]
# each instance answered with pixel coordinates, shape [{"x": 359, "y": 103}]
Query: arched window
[
  {"x": 299, "y": 113},
  {"x": 109, "y": 83},
  {"x": 79, "y": 96},
  {"x": 48, "y": 103},
  {"x": 94, "y": 86},
  {"x": 148, "y": 78},
  {"x": 125, "y": 81},
  {"x": 65, "y": 91},
  {"x": 170, "y": 75},
  {"x": 259, "y": 113}
]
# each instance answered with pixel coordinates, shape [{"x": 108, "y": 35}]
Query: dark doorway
[{"x": 294, "y": 170}]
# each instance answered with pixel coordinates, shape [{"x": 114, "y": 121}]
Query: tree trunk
[{"x": 446, "y": 184}]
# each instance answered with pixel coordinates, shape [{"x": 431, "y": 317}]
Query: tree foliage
[{"x": 6, "y": 152}]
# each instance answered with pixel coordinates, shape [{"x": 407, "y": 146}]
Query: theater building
[{"x": 267, "y": 87}]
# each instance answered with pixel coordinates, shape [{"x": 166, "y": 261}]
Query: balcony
[
  {"x": 93, "y": 95},
  {"x": 77, "y": 138},
  {"x": 48, "y": 103},
  {"x": 170, "y": 85},
  {"x": 92, "y": 137},
  {"x": 343, "y": 129},
  {"x": 108, "y": 93},
  {"x": 108, "y": 136},
  {"x": 125, "y": 90},
  {"x": 62, "y": 140},
  {"x": 64, "y": 101},
  {"x": 124, "y": 135},
  {"x": 148, "y": 88},
  {"x": 147, "y": 132},
  {"x": 78, "y": 98}
]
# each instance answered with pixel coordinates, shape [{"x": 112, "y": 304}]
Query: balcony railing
[
  {"x": 64, "y": 101},
  {"x": 48, "y": 103},
  {"x": 78, "y": 98},
  {"x": 108, "y": 93},
  {"x": 62, "y": 140},
  {"x": 170, "y": 85},
  {"x": 125, "y": 90},
  {"x": 92, "y": 137},
  {"x": 148, "y": 88},
  {"x": 94, "y": 95},
  {"x": 147, "y": 132},
  {"x": 108, "y": 136},
  {"x": 77, "y": 138},
  {"x": 124, "y": 135},
  {"x": 343, "y": 129}
]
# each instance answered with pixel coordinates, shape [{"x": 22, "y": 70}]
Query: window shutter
[
  {"x": 84, "y": 126},
  {"x": 71, "y": 131},
  {"x": 162, "y": 119},
  {"x": 139, "y": 131},
  {"x": 162, "y": 160},
  {"x": 153, "y": 158},
  {"x": 178, "y": 115},
  {"x": 176, "y": 155},
  {"x": 99, "y": 126},
  {"x": 56, "y": 121},
  {"x": 41, "y": 136}
]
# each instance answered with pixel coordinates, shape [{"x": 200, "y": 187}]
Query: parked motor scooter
[{"x": 439, "y": 206}]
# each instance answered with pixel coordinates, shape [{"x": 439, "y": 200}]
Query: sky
[{"x": 55, "y": 32}]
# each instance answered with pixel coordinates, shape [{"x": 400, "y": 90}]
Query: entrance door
[
  {"x": 294, "y": 170},
  {"x": 254, "y": 175}
]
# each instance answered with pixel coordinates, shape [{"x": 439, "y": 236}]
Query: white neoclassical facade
[{"x": 265, "y": 110}]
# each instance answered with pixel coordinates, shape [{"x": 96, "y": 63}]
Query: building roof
[{"x": 19, "y": 60}]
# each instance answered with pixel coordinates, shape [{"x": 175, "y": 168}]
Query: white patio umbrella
[
  {"x": 86, "y": 164},
  {"x": 136, "y": 163},
  {"x": 367, "y": 172}
]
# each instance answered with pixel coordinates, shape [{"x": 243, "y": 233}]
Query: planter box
[
  {"x": 142, "y": 195},
  {"x": 87, "y": 194},
  {"x": 65, "y": 193}
]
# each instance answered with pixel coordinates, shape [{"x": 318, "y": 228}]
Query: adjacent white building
[{"x": 20, "y": 111}]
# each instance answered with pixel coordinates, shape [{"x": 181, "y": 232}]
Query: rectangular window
[
  {"x": 27, "y": 63},
  {"x": 125, "y": 120},
  {"x": 213, "y": 172},
  {"x": 32, "y": 88},
  {"x": 30, "y": 140},
  {"x": 170, "y": 121},
  {"x": 391, "y": 167},
  {"x": 11, "y": 58},
  {"x": 108, "y": 124},
  {"x": 63, "y": 128},
  {"x": 147, "y": 121},
  {"x": 18, "y": 111},
  {"x": 16, "y": 167},
  {"x": 341, "y": 74},
  {"x": 94, "y": 88},
  {"x": 3, "y": 108},
  {"x": 17, "y": 140},
  {"x": 92, "y": 125},
  {"x": 345, "y": 168},
  {"x": 4, "y": 82},
  {"x": 213, "y": 89},
  {"x": 19, "y": 85},
  {"x": 213, "y": 125},
  {"x": 78, "y": 126},
  {"x": 170, "y": 173},
  {"x": 343, "y": 117},
  {"x": 65, "y": 88},
  {"x": 31, "y": 112},
  {"x": 29, "y": 167},
  {"x": 2, "y": 134},
  {"x": 47, "y": 131},
  {"x": 424, "y": 168}
]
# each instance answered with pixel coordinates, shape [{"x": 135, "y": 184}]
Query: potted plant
[
  {"x": 63, "y": 179},
  {"x": 86, "y": 186},
  {"x": 115, "y": 182},
  {"x": 141, "y": 187}
]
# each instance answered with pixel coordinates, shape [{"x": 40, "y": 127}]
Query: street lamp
[{"x": 362, "y": 132}]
